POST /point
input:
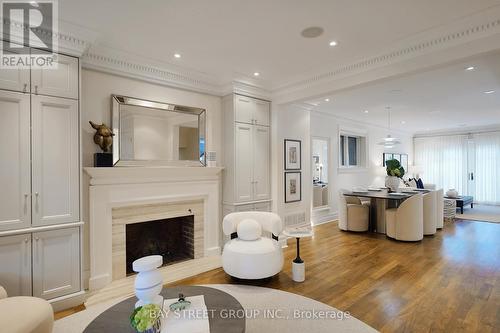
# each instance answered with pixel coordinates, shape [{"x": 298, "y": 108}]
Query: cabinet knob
[
  {"x": 37, "y": 239},
  {"x": 36, "y": 89},
  {"x": 25, "y": 88},
  {"x": 26, "y": 240}
]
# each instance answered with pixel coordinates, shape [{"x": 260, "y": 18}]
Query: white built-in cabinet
[
  {"x": 247, "y": 181},
  {"x": 40, "y": 228}
]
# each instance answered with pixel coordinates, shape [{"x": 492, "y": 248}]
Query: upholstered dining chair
[
  {"x": 430, "y": 213},
  {"x": 353, "y": 214},
  {"x": 406, "y": 223},
  {"x": 440, "y": 209},
  {"x": 249, "y": 254}
]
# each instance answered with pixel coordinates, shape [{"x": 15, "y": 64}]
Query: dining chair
[
  {"x": 430, "y": 213},
  {"x": 353, "y": 214},
  {"x": 440, "y": 209},
  {"x": 406, "y": 223}
]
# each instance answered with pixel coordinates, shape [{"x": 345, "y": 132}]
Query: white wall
[
  {"x": 291, "y": 122},
  {"x": 327, "y": 126},
  {"x": 97, "y": 88}
]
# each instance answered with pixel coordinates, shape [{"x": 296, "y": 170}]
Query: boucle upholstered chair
[
  {"x": 249, "y": 254},
  {"x": 25, "y": 314},
  {"x": 430, "y": 214}
]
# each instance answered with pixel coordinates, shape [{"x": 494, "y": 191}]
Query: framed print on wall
[
  {"x": 293, "y": 154},
  {"x": 293, "y": 186}
]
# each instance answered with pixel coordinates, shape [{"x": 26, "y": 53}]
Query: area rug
[
  {"x": 486, "y": 213},
  {"x": 303, "y": 314}
]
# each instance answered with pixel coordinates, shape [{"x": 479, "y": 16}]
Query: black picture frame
[
  {"x": 298, "y": 186},
  {"x": 286, "y": 155}
]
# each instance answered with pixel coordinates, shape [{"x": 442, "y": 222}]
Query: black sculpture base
[{"x": 103, "y": 160}]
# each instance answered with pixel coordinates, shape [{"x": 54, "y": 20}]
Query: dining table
[{"x": 380, "y": 200}]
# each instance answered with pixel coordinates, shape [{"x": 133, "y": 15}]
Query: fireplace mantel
[
  {"x": 131, "y": 186},
  {"x": 134, "y": 175}
]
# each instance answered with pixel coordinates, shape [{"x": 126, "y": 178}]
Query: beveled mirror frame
[{"x": 118, "y": 100}]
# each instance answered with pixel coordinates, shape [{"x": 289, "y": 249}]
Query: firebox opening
[{"x": 172, "y": 238}]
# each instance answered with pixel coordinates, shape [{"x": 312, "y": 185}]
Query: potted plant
[
  {"x": 395, "y": 173},
  {"x": 146, "y": 319}
]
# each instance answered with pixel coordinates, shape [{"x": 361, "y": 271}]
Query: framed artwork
[
  {"x": 402, "y": 158},
  {"x": 293, "y": 186},
  {"x": 293, "y": 154}
]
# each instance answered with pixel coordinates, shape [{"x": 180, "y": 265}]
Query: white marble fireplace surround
[{"x": 131, "y": 186}]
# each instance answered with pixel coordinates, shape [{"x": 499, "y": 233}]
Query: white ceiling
[
  {"x": 447, "y": 98},
  {"x": 228, "y": 39}
]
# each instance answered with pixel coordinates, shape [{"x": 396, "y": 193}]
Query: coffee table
[
  {"x": 463, "y": 201},
  {"x": 219, "y": 303}
]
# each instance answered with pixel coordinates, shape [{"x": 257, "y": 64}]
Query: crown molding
[
  {"x": 247, "y": 89},
  {"x": 434, "y": 41},
  {"x": 67, "y": 43}
]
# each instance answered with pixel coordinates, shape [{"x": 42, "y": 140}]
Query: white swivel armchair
[
  {"x": 25, "y": 314},
  {"x": 440, "y": 209},
  {"x": 406, "y": 223},
  {"x": 353, "y": 215},
  {"x": 430, "y": 214},
  {"x": 249, "y": 254}
]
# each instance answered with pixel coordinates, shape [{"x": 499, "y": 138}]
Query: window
[{"x": 351, "y": 151}]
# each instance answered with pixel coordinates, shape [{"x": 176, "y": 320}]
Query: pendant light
[{"x": 389, "y": 142}]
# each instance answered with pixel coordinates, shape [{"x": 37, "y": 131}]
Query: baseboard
[{"x": 68, "y": 301}]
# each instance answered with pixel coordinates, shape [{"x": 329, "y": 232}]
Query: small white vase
[
  {"x": 392, "y": 183},
  {"x": 452, "y": 193}
]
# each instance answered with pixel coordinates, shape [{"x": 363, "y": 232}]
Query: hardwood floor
[{"x": 449, "y": 282}]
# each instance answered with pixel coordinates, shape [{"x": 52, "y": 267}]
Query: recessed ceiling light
[
  {"x": 177, "y": 55},
  {"x": 489, "y": 91},
  {"x": 333, "y": 43},
  {"x": 312, "y": 32},
  {"x": 403, "y": 122},
  {"x": 256, "y": 74},
  {"x": 366, "y": 111},
  {"x": 470, "y": 68},
  {"x": 327, "y": 100}
]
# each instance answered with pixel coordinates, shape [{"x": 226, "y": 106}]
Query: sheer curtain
[
  {"x": 443, "y": 160},
  {"x": 487, "y": 160}
]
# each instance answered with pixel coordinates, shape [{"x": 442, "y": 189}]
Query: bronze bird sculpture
[{"x": 103, "y": 136}]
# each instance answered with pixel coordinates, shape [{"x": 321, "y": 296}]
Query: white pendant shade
[{"x": 389, "y": 142}]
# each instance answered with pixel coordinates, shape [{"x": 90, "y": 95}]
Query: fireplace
[{"x": 172, "y": 238}]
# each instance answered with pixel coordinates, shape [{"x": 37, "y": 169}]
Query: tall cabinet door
[
  {"x": 243, "y": 109},
  {"x": 15, "y": 79},
  {"x": 261, "y": 112},
  {"x": 55, "y": 169},
  {"x": 56, "y": 262},
  {"x": 15, "y": 174},
  {"x": 243, "y": 173},
  {"x": 261, "y": 162},
  {"x": 60, "y": 82},
  {"x": 15, "y": 263}
]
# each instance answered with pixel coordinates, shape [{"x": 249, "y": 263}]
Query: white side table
[{"x": 298, "y": 266}]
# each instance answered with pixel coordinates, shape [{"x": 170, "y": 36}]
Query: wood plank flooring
[{"x": 449, "y": 282}]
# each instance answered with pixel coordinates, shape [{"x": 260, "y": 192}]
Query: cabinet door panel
[
  {"x": 55, "y": 170},
  {"x": 15, "y": 263},
  {"x": 243, "y": 109},
  {"x": 60, "y": 82},
  {"x": 261, "y": 160},
  {"x": 15, "y": 174},
  {"x": 56, "y": 263},
  {"x": 243, "y": 163},
  {"x": 262, "y": 113},
  {"x": 15, "y": 79}
]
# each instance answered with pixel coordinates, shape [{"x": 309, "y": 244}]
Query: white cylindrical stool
[
  {"x": 149, "y": 282},
  {"x": 298, "y": 266}
]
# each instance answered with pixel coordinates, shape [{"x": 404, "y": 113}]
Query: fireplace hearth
[{"x": 172, "y": 238}]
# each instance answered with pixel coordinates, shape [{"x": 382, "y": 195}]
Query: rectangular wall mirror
[{"x": 153, "y": 133}]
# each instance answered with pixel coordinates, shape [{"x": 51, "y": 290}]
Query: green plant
[
  {"x": 144, "y": 317},
  {"x": 394, "y": 168}
]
